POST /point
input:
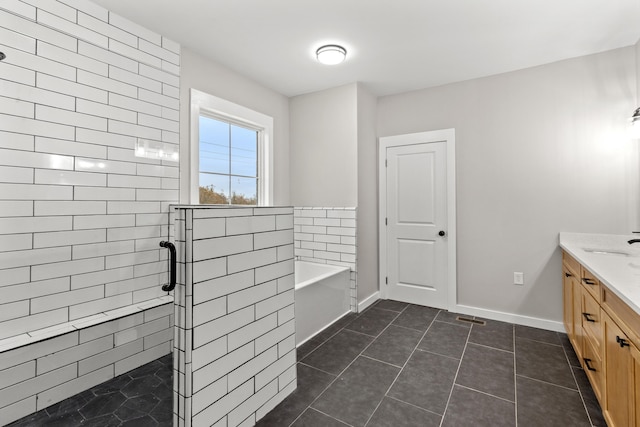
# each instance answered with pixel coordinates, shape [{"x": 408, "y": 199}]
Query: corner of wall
[{"x": 367, "y": 194}]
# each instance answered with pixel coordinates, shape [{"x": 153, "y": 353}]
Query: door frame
[{"x": 447, "y": 136}]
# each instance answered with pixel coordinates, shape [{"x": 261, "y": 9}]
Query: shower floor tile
[{"x": 142, "y": 397}]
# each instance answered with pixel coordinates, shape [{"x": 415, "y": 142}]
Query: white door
[{"x": 417, "y": 229}]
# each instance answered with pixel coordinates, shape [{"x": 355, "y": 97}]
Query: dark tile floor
[
  {"x": 142, "y": 397},
  {"x": 403, "y": 365},
  {"x": 393, "y": 365}
]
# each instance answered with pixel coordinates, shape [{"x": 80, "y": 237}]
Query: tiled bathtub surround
[
  {"x": 80, "y": 215},
  {"x": 235, "y": 334},
  {"x": 328, "y": 236},
  {"x": 36, "y": 376}
]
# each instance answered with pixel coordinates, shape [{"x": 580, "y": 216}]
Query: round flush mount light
[
  {"x": 2, "y": 56},
  {"x": 635, "y": 119},
  {"x": 331, "y": 54},
  {"x": 635, "y": 124}
]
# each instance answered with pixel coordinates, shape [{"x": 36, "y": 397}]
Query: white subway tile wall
[
  {"x": 235, "y": 334},
  {"x": 328, "y": 236},
  {"x": 80, "y": 215}
]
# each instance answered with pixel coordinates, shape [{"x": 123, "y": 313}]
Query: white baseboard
[
  {"x": 368, "y": 301},
  {"x": 518, "y": 319}
]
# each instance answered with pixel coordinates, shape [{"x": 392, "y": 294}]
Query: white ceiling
[{"x": 394, "y": 45}]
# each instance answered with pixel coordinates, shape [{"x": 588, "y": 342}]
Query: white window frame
[{"x": 208, "y": 105}]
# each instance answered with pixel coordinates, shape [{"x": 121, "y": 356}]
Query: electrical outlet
[{"x": 518, "y": 278}]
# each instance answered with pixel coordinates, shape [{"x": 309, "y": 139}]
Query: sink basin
[{"x": 606, "y": 252}]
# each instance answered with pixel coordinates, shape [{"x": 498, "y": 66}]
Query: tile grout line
[
  {"x": 436, "y": 354},
  {"x": 381, "y": 361},
  {"x": 402, "y": 369},
  {"x": 515, "y": 376},
  {"x": 538, "y": 341},
  {"x": 317, "y": 369},
  {"x": 453, "y": 385},
  {"x": 584, "y": 403},
  {"x": 411, "y": 404},
  {"x": 491, "y": 348},
  {"x": 406, "y": 327},
  {"x": 323, "y": 413},
  {"x": 485, "y": 393},
  {"x": 547, "y": 382},
  {"x": 350, "y": 363},
  {"x": 332, "y": 335}
]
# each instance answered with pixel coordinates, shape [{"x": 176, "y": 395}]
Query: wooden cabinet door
[
  {"x": 578, "y": 332},
  {"x": 591, "y": 320},
  {"x": 567, "y": 301},
  {"x": 619, "y": 373},
  {"x": 592, "y": 364},
  {"x": 635, "y": 405}
]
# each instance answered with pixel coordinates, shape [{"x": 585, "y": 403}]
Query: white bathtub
[{"x": 321, "y": 295}]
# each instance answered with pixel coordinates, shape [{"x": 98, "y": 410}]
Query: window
[
  {"x": 228, "y": 163},
  {"x": 231, "y": 153}
]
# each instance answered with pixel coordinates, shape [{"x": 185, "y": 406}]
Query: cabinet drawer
[
  {"x": 590, "y": 283},
  {"x": 624, "y": 315},
  {"x": 592, "y": 365},
  {"x": 591, "y": 320},
  {"x": 571, "y": 263}
]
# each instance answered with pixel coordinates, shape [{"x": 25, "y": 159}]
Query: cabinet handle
[
  {"x": 589, "y": 367},
  {"x": 568, "y": 274},
  {"x": 623, "y": 342},
  {"x": 587, "y": 318},
  {"x": 587, "y": 281}
]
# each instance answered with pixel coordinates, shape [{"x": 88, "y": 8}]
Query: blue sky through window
[{"x": 228, "y": 159}]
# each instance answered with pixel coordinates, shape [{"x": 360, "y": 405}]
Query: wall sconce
[
  {"x": 635, "y": 124},
  {"x": 331, "y": 54}
]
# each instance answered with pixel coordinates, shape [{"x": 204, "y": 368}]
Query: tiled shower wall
[
  {"x": 35, "y": 376},
  {"x": 328, "y": 236},
  {"x": 80, "y": 215},
  {"x": 235, "y": 317}
]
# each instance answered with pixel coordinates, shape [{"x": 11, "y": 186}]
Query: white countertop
[{"x": 619, "y": 273}]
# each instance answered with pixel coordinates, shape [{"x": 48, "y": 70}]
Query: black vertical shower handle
[{"x": 172, "y": 255}]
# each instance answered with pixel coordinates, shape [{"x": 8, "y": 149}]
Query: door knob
[{"x": 441, "y": 233}]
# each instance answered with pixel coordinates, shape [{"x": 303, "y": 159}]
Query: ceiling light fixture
[
  {"x": 635, "y": 119},
  {"x": 635, "y": 124},
  {"x": 331, "y": 54}
]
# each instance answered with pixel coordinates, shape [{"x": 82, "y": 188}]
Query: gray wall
[
  {"x": 334, "y": 163},
  {"x": 367, "y": 195},
  {"x": 324, "y": 148},
  {"x": 539, "y": 151},
  {"x": 210, "y": 77}
]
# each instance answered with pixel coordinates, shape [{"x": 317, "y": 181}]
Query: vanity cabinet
[
  {"x": 619, "y": 393},
  {"x": 605, "y": 334},
  {"x": 572, "y": 296}
]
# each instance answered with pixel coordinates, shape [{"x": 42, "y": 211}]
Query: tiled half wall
[
  {"x": 81, "y": 215},
  {"x": 328, "y": 236},
  {"x": 235, "y": 325}
]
